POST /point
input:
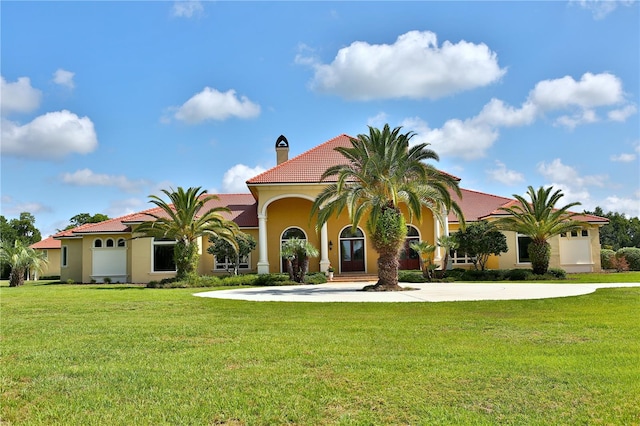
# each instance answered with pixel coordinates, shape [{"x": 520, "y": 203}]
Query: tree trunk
[
  {"x": 16, "y": 277},
  {"x": 539, "y": 253},
  {"x": 387, "y": 274}
]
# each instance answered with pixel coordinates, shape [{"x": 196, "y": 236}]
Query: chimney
[{"x": 282, "y": 149}]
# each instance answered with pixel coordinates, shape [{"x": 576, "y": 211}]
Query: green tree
[
  {"x": 448, "y": 243},
  {"x": 540, "y": 220},
  {"x": 619, "y": 232},
  {"x": 480, "y": 240},
  {"x": 297, "y": 253},
  {"x": 84, "y": 218},
  {"x": 184, "y": 220},
  {"x": 384, "y": 172},
  {"x": 222, "y": 249},
  {"x": 425, "y": 251},
  {"x": 21, "y": 259},
  {"x": 21, "y": 229}
]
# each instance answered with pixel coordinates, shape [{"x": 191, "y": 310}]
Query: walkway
[{"x": 430, "y": 292}]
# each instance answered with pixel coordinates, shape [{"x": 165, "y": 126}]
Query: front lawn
[{"x": 120, "y": 354}]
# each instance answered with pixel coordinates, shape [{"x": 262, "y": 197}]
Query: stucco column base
[
  {"x": 324, "y": 265},
  {"x": 263, "y": 268}
]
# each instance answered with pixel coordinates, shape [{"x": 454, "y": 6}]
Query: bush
[
  {"x": 479, "y": 275},
  {"x": 632, "y": 255},
  {"x": 519, "y": 274},
  {"x": 455, "y": 273},
  {"x": 411, "y": 277},
  {"x": 273, "y": 279},
  {"x": 557, "y": 273},
  {"x": 606, "y": 258},
  {"x": 315, "y": 278}
]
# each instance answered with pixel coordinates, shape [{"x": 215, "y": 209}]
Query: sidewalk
[{"x": 427, "y": 292}]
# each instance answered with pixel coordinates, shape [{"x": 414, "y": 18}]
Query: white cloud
[
  {"x": 623, "y": 158},
  {"x": 187, "y": 9},
  {"x": 211, "y": 104},
  {"x": 467, "y": 139},
  {"x": 50, "y": 136},
  {"x": 496, "y": 113},
  {"x": 413, "y": 67},
  {"x": 601, "y": 8},
  {"x": 234, "y": 179},
  {"x": 584, "y": 117},
  {"x": 591, "y": 91},
  {"x": 561, "y": 173},
  {"x": 503, "y": 175},
  {"x": 11, "y": 207},
  {"x": 87, "y": 177},
  {"x": 378, "y": 120},
  {"x": 124, "y": 207},
  {"x": 628, "y": 206},
  {"x": 622, "y": 114},
  {"x": 18, "y": 96},
  {"x": 64, "y": 78}
]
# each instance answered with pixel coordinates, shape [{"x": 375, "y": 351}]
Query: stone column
[
  {"x": 263, "y": 262},
  {"x": 324, "y": 249}
]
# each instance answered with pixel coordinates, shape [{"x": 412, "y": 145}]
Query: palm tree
[
  {"x": 448, "y": 243},
  {"x": 539, "y": 220},
  {"x": 383, "y": 172},
  {"x": 21, "y": 259},
  {"x": 425, "y": 250},
  {"x": 185, "y": 220},
  {"x": 297, "y": 253}
]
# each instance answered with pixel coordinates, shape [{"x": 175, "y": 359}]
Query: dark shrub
[
  {"x": 606, "y": 257},
  {"x": 315, "y": 278},
  {"x": 411, "y": 277},
  {"x": 632, "y": 255},
  {"x": 519, "y": 274},
  {"x": 486, "y": 275},
  {"x": 557, "y": 273},
  {"x": 272, "y": 279},
  {"x": 455, "y": 273}
]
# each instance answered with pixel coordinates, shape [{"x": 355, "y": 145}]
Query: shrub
[
  {"x": 272, "y": 279},
  {"x": 519, "y": 274},
  {"x": 455, "y": 273},
  {"x": 106, "y": 280},
  {"x": 619, "y": 263},
  {"x": 632, "y": 255},
  {"x": 480, "y": 275},
  {"x": 606, "y": 257},
  {"x": 411, "y": 277},
  {"x": 315, "y": 278},
  {"x": 557, "y": 273},
  {"x": 70, "y": 281}
]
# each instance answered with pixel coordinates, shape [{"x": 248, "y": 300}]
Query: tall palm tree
[
  {"x": 21, "y": 259},
  {"x": 383, "y": 172},
  {"x": 185, "y": 220},
  {"x": 540, "y": 220}
]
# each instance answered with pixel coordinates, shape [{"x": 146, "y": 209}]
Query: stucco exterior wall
[
  {"x": 73, "y": 270},
  {"x": 53, "y": 263}
]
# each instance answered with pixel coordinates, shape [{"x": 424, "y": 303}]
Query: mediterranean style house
[{"x": 276, "y": 208}]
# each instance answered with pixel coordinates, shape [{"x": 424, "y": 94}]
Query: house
[
  {"x": 276, "y": 208},
  {"x": 50, "y": 247}
]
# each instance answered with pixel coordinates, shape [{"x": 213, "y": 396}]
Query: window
[
  {"x": 287, "y": 235},
  {"x": 163, "y": 256},
  {"x": 64, "y": 258},
  {"x": 109, "y": 242},
  {"x": 460, "y": 258},
  {"x": 45, "y": 254},
  {"x": 585, "y": 233},
  {"x": 226, "y": 264},
  {"x": 574, "y": 233},
  {"x": 121, "y": 242},
  {"x": 523, "y": 249},
  {"x": 97, "y": 243}
]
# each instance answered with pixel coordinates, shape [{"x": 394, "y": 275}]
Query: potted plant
[{"x": 330, "y": 272}]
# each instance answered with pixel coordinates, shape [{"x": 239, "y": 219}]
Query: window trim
[
  {"x": 64, "y": 256},
  {"x": 160, "y": 242},
  {"x": 227, "y": 265},
  {"x": 518, "y": 261}
]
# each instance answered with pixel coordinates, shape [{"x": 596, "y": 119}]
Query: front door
[
  {"x": 409, "y": 258},
  {"x": 352, "y": 255}
]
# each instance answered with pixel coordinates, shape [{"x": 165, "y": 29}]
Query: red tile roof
[
  {"x": 47, "y": 243},
  {"x": 243, "y": 211}
]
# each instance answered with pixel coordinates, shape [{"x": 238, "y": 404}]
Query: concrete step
[{"x": 354, "y": 277}]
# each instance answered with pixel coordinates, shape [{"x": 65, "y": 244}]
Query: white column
[
  {"x": 324, "y": 249},
  {"x": 436, "y": 235},
  {"x": 263, "y": 262}
]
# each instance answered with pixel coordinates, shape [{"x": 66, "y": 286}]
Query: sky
[{"x": 106, "y": 103}]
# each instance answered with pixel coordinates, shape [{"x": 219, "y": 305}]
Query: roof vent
[{"x": 282, "y": 149}]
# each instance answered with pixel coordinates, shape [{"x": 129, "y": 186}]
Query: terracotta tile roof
[
  {"x": 306, "y": 167},
  {"x": 243, "y": 211},
  {"x": 477, "y": 206},
  {"x": 47, "y": 243}
]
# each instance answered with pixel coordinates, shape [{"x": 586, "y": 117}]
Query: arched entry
[
  {"x": 351, "y": 250},
  {"x": 289, "y": 233},
  {"x": 409, "y": 258}
]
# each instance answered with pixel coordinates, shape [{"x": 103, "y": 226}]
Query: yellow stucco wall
[
  {"x": 73, "y": 270},
  {"x": 52, "y": 267}
]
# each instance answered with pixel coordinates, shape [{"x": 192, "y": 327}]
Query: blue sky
[{"x": 104, "y": 103}]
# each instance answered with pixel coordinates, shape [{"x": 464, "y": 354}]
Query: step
[{"x": 347, "y": 277}]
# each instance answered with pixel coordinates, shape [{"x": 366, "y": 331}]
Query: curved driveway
[{"x": 430, "y": 292}]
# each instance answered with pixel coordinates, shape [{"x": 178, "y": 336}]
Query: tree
[
  {"x": 222, "y": 249},
  {"x": 21, "y": 259},
  {"x": 22, "y": 229},
  {"x": 540, "y": 220},
  {"x": 297, "y": 253},
  {"x": 425, "y": 251},
  {"x": 480, "y": 240},
  {"x": 382, "y": 173},
  {"x": 185, "y": 220},
  {"x": 84, "y": 218},
  {"x": 619, "y": 232},
  {"x": 448, "y": 243}
]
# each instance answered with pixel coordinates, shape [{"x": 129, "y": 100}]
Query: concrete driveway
[{"x": 429, "y": 292}]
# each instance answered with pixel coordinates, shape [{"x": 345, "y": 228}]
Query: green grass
[{"x": 118, "y": 354}]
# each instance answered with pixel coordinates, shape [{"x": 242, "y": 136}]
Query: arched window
[
  {"x": 109, "y": 242},
  {"x": 97, "y": 243},
  {"x": 121, "y": 242},
  {"x": 409, "y": 258}
]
